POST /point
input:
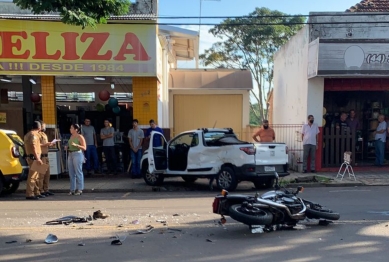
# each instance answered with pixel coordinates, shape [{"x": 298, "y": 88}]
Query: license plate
[{"x": 270, "y": 169}]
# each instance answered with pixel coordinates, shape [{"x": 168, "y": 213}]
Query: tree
[
  {"x": 78, "y": 12},
  {"x": 246, "y": 45}
]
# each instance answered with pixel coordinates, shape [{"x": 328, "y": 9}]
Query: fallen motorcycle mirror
[{"x": 277, "y": 208}]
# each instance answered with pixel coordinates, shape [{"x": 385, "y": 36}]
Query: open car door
[{"x": 157, "y": 153}]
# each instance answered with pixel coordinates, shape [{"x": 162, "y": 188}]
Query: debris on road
[
  {"x": 116, "y": 242},
  {"x": 135, "y": 222},
  {"x": 50, "y": 239},
  {"x": 11, "y": 242},
  {"x": 98, "y": 214},
  {"x": 81, "y": 244},
  {"x": 148, "y": 229},
  {"x": 28, "y": 240},
  {"x": 68, "y": 220}
]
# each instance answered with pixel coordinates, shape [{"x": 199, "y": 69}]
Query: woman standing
[{"x": 76, "y": 146}]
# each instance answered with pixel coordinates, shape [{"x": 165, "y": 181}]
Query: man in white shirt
[
  {"x": 380, "y": 141},
  {"x": 309, "y": 136}
]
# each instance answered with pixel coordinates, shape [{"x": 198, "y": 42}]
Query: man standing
[
  {"x": 44, "y": 179},
  {"x": 157, "y": 141},
  {"x": 89, "y": 133},
  {"x": 352, "y": 121},
  {"x": 106, "y": 134},
  {"x": 380, "y": 140},
  {"x": 135, "y": 136},
  {"x": 266, "y": 133},
  {"x": 33, "y": 152},
  {"x": 342, "y": 123},
  {"x": 309, "y": 136}
]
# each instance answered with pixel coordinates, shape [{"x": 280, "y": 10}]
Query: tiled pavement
[{"x": 123, "y": 183}]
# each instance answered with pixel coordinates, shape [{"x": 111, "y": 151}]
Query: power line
[{"x": 277, "y": 16}]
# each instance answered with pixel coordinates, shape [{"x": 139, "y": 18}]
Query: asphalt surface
[{"x": 189, "y": 231}]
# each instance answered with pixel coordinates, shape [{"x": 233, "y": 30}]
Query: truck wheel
[
  {"x": 226, "y": 179},
  {"x": 11, "y": 187},
  {"x": 261, "y": 184},
  {"x": 151, "y": 179}
]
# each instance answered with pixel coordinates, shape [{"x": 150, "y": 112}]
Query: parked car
[
  {"x": 13, "y": 165},
  {"x": 208, "y": 152}
]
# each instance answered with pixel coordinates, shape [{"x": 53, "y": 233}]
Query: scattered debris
[
  {"x": 209, "y": 240},
  {"x": 161, "y": 221},
  {"x": 147, "y": 230},
  {"x": 81, "y": 244},
  {"x": 11, "y": 242},
  {"x": 98, "y": 214},
  {"x": 135, "y": 222},
  {"x": 116, "y": 242},
  {"x": 68, "y": 220},
  {"x": 28, "y": 240},
  {"x": 121, "y": 225},
  {"x": 176, "y": 215},
  {"x": 50, "y": 239}
]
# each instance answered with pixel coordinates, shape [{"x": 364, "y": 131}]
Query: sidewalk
[{"x": 123, "y": 183}]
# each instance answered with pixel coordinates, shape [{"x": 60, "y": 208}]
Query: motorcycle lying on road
[{"x": 274, "y": 209}]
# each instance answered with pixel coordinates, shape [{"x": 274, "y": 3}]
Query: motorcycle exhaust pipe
[{"x": 278, "y": 205}]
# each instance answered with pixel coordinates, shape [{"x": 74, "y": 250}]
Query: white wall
[
  {"x": 290, "y": 91},
  {"x": 316, "y": 99}
]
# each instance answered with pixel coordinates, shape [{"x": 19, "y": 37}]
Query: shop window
[
  {"x": 75, "y": 97},
  {"x": 123, "y": 97}
]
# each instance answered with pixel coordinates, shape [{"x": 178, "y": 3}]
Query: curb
[{"x": 150, "y": 189}]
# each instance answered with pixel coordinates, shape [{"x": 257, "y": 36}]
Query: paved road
[{"x": 361, "y": 234}]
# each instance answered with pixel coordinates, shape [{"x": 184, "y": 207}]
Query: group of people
[
  {"x": 37, "y": 149},
  {"x": 135, "y": 136},
  {"x": 81, "y": 149}
]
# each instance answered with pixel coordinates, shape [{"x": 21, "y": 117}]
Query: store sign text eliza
[{"x": 71, "y": 52}]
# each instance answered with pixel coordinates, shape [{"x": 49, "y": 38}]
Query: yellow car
[{"x": 13, "y": 165}]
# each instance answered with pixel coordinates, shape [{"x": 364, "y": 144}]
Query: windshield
[{"x": 16, "y": 139}]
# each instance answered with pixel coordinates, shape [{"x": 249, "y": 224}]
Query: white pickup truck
[{"x": 208, "y": 152}]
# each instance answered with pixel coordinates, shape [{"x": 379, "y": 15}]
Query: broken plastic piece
[
  {"x": 116, "y": 242},
  {"x": 147, "y": 230},
  {"x": 50, "y": 239}
]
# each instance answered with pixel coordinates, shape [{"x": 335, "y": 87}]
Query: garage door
[{"x": 196, "y": 111}]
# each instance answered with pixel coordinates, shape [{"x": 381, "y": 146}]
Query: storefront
[
  {"x": 60, "y": 73},
  {"x": 326, "y": 70}
]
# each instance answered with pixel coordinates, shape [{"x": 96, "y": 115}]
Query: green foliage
[
  {"x": 78, "y": 12},
  {"x": 250, "y": 46}
]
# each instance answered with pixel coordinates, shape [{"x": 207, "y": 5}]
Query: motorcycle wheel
[
  {"x": 254, "y": 216},
  {"x": 316, "y": 211}
]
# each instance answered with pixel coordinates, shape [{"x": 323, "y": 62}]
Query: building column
[
  {"x": 28, "y": 105},
  {"x": 49, "y": 107},
  {"x": 145, "y": 99}
]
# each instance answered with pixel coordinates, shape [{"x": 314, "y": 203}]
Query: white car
[{"x": 208, "y": 152}]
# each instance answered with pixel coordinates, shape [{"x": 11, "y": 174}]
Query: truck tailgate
[{"x": 270, "y": 154}]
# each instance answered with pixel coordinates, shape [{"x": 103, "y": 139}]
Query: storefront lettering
[
  {"x": 377, "y": 59},
  {"x": 13, "y": 42}
]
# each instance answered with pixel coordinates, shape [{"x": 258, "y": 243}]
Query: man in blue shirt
[{"x": 157, "y": 139}]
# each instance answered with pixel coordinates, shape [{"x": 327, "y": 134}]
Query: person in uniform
[
  {"x": 44, "y": 179},
  {"x": 33, "y": 152}
]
